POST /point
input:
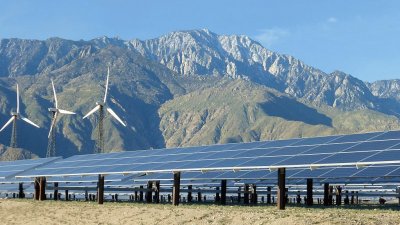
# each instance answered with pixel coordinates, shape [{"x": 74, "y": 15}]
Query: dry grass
[{"x": 51, "y": 212}]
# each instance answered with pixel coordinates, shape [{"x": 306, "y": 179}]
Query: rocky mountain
[{"x": 184, "y": 88}]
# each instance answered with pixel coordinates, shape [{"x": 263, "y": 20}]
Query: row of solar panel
[{"x": 371, "y": 147}]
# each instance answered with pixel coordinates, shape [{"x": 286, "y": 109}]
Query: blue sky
[{"x": 360, "y": 37}]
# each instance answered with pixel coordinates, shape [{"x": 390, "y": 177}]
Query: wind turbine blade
[
  {"x": 92, "y": 111},
  {"x": 8, "y": 122},
  {"x": 17, "y": 99},
  {"x": 53, "y": 124},
  {"x": 62, "y": 111},
  {"x": 55, "y": 95},
  {"x": 108, "y": 75},
  {"x": 115, "y": 116},
  {"x": 30, "y": 122}
]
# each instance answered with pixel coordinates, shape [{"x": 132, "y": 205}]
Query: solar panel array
[
  {"x": 9, "y": 169},
  {"x": 298, "y": 155}
]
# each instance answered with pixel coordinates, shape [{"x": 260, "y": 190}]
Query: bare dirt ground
[{"x": 76, "y": 213}]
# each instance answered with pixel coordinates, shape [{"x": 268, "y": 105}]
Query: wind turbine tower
[
  {"x": 14, "y": 117},
  {"x": 100, "y": 107},
  {"x": 51, "y": 146}
]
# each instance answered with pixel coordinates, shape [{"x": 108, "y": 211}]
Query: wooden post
[
  {"x": 246, "y": 194},
  {"x": 239, "y": 197},
  {"x": 268, "y": 195},
  {"x": 42, "y": 188},
  {"x": 21, "y": 193},
  {"x": 199, "y": 196},
  {"x": 298, "y": 197},
  {"x": 357, "y": 202},
  {"x": 55, "y": 191},
  {"x": 223, "y": 192},
  {"x": 149, "y": 191},
  {"x": 309, "y": 192},
  {"x": 326, "y": 194},
  {"x": 338, "y": 195},
  {"x": 100, "y": 189},
  {"x": 37, "y": 188},
  {"x": 141, "y": 194},
  {"x": 86, "y": 195},
  {"x": 253, "y": 194},
  {"x": 136, "y": 196},
  {"x": 176, "y": 188},
  {"x": 330, "y": 201},
  {"x": 217, "y": 196},
  {"x": 157, "y": 191},
  {"x": 352, "y": 198},
  {"x": 346, "y": 199},
  {"x": 66, "y": 195},
  {"x": 189, "y": 196},
  {"x": 281, "y": 196}
]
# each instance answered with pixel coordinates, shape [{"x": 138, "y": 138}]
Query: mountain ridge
[{"x": 158, "y": 84}]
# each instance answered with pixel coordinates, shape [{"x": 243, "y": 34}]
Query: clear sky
[{"x": 360, "y": 37}]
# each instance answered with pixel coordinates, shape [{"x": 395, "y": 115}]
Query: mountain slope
[
  {"x": 184, "y": 88},
  {"x": 241, "y": 111}
]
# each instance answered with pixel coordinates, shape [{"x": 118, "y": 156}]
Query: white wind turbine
[
  {"x": 14, "y": 117},
  {"x": 51, "y": 150},
  {"x": 100, "y": 107}
]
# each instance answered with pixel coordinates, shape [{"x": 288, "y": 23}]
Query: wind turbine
[
  {"x": 51, "y": 146},
  {"x": 14, "y": 117},
  {"x": 100, "y": 107}
]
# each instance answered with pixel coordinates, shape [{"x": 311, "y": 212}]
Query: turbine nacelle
[
  {"x": 100, "y": 103},
  {"x": 53, "y": 109}
]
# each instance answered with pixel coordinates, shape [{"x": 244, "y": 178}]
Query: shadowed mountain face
[{"x": 184, "y": 88}]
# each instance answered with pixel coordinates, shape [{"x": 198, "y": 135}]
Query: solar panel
[
  {"x": 9, "y": 169},
  {"x": 302, "y": 152}
]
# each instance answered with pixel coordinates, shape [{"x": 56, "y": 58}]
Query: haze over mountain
[{"x": 184, "y": 88}]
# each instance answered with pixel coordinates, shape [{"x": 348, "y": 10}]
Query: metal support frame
[
  {"x": 281, "y": 195},
  {"x": 100, "y": 189},
  {"x": 176, "y": 188},
  {"x": 309, "y": 192}
]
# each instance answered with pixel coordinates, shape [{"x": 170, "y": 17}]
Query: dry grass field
[{"x": 76, "y": 213}]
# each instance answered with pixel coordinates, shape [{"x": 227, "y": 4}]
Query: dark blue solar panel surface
[
  {"x": 9, "y": 169},
  {"x": 369, "y": 147}
]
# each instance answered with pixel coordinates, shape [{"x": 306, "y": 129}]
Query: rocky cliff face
[{"x": 184, "y": 88}]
